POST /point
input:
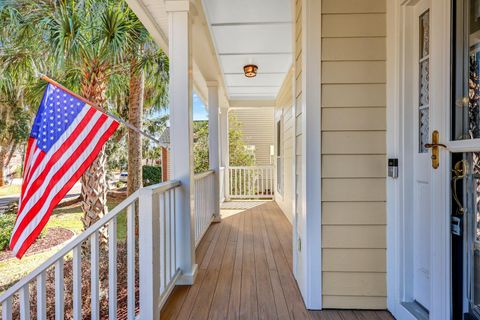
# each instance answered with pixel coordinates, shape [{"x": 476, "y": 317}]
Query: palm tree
[
  {"x": 14, "y": 121},
  {"x": 146, "y": 61},
  {"x": 88, "y": 41},
  {"x": 17, "y": 86},
  {"x": 101, "y": 49}
]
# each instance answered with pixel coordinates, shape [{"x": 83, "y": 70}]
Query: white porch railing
[
  {"x": 222, "y": 184},
  {"x": 154, "y": 250},
  {"x": 204, "y": 203},
  {"x": 251, "y": 182}
]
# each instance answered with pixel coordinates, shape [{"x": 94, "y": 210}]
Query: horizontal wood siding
[
  {"x": 258, "y": 130},
  {"x": 353, "y": 154}
]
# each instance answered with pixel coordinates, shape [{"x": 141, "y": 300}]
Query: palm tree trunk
[
  {"x": 10, "y": 153},
  {"x": 135, "y": 113},
  {"x": 94, "y": 181},
  {"x": 94, "y": 191},
  {"x": 3, "y": 154}
]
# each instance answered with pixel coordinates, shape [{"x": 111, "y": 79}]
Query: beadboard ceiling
[{"x": 251, "y": 32}]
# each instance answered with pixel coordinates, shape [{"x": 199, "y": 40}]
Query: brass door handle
[{"x": 434, "y": 146}]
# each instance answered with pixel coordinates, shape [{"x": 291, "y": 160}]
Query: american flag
[{"x": 66, "y": 137}]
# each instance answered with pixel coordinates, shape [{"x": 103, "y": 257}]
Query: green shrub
[
  {"x": 7, "y": 221},
  {"x": 152, "y": 175}
]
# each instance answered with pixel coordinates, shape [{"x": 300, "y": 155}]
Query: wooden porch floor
[{"x": 245, "y": 272}]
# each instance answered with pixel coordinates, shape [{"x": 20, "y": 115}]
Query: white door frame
[{"x": 398, "y": 199}]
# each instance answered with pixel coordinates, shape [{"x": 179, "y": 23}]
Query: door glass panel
[
  {"x": 465, "y": 125},
  {"x": 424, "y": 82},
  {"x": 465, "y": 113},
  {"x": 472, "y": 228},
  {"x": 473, "y": 223}
]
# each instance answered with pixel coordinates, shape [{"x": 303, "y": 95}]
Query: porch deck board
[{"x": 245, "y": 272}]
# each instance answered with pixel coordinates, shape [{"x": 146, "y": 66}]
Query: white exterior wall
[{"x": 353, "y": 154}]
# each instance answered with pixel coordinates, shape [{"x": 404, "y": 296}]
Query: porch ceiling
[{"x": 251, "y": 32}]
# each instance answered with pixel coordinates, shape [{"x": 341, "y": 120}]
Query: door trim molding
[{"x": 397, "y": 197}]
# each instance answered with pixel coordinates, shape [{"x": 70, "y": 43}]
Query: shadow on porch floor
[{"x": 245, "y": 272}]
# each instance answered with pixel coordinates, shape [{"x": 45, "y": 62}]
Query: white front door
[
  {"x": 419, "y": 228},
  {"x": 435, "y": 235},
  {"x": 422, "y": 169}
]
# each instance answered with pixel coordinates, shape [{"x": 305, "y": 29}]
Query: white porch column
[
  {"x": 181, "y": 132},
  {"x": 225, "y": 152},
  {"x": 214, "y": 142}
]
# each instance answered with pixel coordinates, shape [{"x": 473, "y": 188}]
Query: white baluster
[
  {"x": 174, "y": 244},
  {"x": 163, "y": 239},
  {"x": 168, "y": 214},
  {"x": 237, "y": 182},
  {"x": 257, "y": 181},
  {"x": 131, "y": 262},
  {"x": 202, "y": 209},
  {"x": 41, "y": 297},
  {"x": 112, "y": 269},
  {"x": 94, "y": 276},
  {"x": 197, "y": 205},
  {"x": 230, "y": 180},
  {"x": 7, "y": 309},
  {"x": 25, "y": 303},
  {"x": 271, "y": 181},
  {"x": 267, "y": 181},
  {"x": 59, "y": 290},
  {"x": 77, "y": 283}
]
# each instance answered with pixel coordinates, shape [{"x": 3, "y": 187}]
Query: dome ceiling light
[{"x": 250, "y": 70}]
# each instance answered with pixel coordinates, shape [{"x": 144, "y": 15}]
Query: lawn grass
[
  {"x": 10, "y": 190},
  {"x": 68, "y": 218}
]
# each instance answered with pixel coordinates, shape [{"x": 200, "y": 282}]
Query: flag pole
[{"x": 97, "y": 107}]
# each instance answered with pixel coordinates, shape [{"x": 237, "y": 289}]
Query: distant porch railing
[
  {"x": 251, "y": 182},
  {"x": 204, "y": 203},
  {"x": 151, "y": 263},
  {"x": 222, "y": 184}
]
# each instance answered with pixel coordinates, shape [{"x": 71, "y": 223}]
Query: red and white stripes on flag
[{"x": 66, "y": 137}]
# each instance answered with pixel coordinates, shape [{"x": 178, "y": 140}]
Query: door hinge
[{"x": 299, "y": 244}]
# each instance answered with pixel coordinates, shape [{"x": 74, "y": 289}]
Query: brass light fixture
[{"x": 250, "y": 70}]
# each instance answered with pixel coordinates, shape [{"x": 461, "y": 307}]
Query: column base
[
  {"x": 217, "y": 219},
  {"x": 188, "y": 278}
]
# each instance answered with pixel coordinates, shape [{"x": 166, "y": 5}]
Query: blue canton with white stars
[{"x": 55, "y": 114}]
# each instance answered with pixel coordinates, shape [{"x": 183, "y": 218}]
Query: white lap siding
[
  {"x": 258, "y": 130},
  {"x": 353, "y": 154}
]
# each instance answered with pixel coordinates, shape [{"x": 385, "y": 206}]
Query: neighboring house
[
  {"x": 166, "y": 160},
  {"x": 258, "y": 132},
  {"x": 377, "y": 153}
]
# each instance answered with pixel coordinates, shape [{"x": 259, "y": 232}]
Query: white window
[{"x": 279, "y": 155}]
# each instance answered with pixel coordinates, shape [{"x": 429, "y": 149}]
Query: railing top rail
[
  {"x": 251, "y": 167},
  {"x": 161, "y": 187},
  {"x": 202, "y": 175}
]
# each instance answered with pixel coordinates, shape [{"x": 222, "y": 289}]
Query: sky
[{"x": 199, "y": 109}]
